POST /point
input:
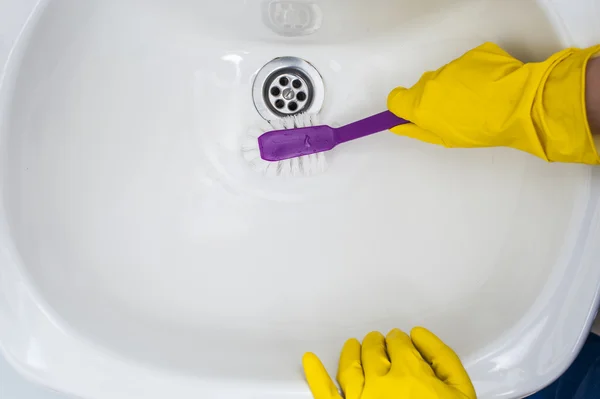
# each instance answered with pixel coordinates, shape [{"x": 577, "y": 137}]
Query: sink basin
[{"x": 142, "y": 256}]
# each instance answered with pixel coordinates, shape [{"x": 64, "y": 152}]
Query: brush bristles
[{"x": 307, "y": 165}]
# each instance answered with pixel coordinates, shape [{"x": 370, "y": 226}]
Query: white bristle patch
[
  {"x": 276, "y": 124},
  {"x": 307, "y": 165}
]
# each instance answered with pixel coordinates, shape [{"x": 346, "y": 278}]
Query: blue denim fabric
[{"x": 582, "y": 379}]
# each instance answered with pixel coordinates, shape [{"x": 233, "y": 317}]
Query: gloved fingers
[
  {"x": 374, "y": 355},
  {"x": 488, "y": 48},
  {"x": 404, "y": 355},
  {"x": 491, "y": 59},
  {"x": 350, "y": 371},
  {"x": 321, "y": 385},
  {"x": 406, "y": 103},
  {"x": 413, "y": 131},
  {"x": 445, "y": 362}
]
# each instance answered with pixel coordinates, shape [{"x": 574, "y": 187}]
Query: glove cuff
[{"x": 559, "y": 110}]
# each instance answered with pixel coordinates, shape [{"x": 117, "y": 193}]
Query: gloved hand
[
  {"x": 394, "y": 367},
  {"x": 487, "y": 98}
]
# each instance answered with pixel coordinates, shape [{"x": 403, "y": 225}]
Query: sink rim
[{"x": 32, "y": 323}]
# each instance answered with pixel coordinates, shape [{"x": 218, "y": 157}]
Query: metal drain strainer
[{"x": 287, "y": 86}]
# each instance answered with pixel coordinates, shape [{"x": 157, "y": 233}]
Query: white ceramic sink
[{"x": 141, "y": 256}]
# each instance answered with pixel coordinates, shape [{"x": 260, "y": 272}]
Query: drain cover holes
[{"x": 287, "y": 86}]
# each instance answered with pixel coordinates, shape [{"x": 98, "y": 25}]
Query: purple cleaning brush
[{"x": 278, "y": 145}]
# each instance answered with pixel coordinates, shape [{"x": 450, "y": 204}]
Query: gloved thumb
[
  {"x": 403, "y": 103},
  {"x": 443, "y": 360},
  {"x": 320, "y": 383}
]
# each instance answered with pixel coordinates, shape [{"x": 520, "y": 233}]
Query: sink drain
[{"x": 287, "y": 86}]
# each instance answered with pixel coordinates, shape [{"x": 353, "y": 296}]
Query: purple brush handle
[
  {"x": 364, "y": 127},
  {"x": 278, "y": 145}
]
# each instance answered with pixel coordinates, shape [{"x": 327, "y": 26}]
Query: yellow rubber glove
[
  {"x": 487, "y": 98},
  {"x": 394, "y": 367}
]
